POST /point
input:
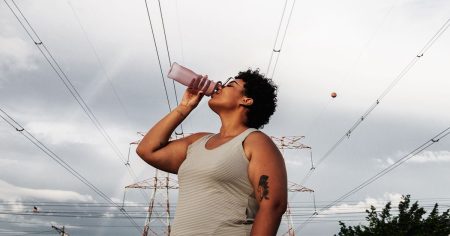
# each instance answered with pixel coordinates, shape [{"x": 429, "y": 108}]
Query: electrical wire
[
  {"x": 149, "y": 215},
  {"x": 158, "y": 57},
  {"x": 276, "y": 37},
  {"x": 12, "y": 122},
  {"x": 301, "y": 205},
  {"x": 68, "y": 84},
  {"x": 64, "y": 78},
  {"x": 91, "y": 205},
  {"x": 167, "y": 45},
  {"x": 274, "y": 49},
  {"x": 19, "y": 233},
  {"x": 388, "y": 169},
  {"x": 99, "y": 61},
  {"x": 355, "y": 213},
  {"x": 170, "y": 61},
  {"x": 396, "y": 80},
  {"x": 350, "y": 71}
]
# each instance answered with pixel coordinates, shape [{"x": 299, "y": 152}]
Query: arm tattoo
[{"x": 263, "y": 188}]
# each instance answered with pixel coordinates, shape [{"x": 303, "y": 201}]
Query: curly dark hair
[{"x": 264, "y": 94}]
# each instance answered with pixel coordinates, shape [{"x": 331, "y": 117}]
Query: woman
[{"x": 233, "y": 182}]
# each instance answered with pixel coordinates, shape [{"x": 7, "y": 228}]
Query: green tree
[{"x": 408, "y": 222}]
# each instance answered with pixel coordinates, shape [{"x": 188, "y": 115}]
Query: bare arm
[
  {"x": 155, "y": 148},
  {"x": 267, "y": 174}
]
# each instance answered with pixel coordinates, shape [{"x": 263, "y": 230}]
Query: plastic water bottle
[{"x": 184, "y": 76}]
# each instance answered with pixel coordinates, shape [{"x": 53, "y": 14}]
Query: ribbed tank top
[{"x": 215, "y": 195}]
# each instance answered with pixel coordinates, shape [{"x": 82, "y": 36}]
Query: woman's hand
[{"x": 195, "y": 92}]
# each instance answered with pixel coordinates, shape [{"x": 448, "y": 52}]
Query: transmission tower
[
  {"x": 289, "y": 142},
  {"x": 61, "y": 231},
  {"x": 158, "y": 212},
  {"x": 294, "y": 187}
]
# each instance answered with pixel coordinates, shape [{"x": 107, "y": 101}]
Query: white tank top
[{"x": 215, "y": 195}]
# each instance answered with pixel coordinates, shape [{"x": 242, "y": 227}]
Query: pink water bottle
[{"x": 184, "y": 76}]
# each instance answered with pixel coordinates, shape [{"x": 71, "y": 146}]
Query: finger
[{"x": 200, "y": 94}]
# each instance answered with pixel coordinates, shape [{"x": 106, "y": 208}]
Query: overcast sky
[{"x": 106, "y": 49}]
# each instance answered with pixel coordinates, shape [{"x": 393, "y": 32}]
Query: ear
[{"x": 246, "y": 101}]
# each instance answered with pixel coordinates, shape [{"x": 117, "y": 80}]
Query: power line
[
  {"x": 351, "y": 70},
  {"x": 149, "y": 215},
  {"x": 276, "y": 37},
  {"x": 276, "y": 51},
  {"x": 167, "y": 47},
  {"x": 298, "y": 211},
  {"x": 157, "y": 55},
  {"x": 20, "y": 233},
  {"x": 143, "y": 204},
  {"x": 388, "y": 169},
  {"x": 131, "y": 218},
  {"x": 102, "y": 67},
  {"x": 159, "y": 59},
  {"x": 8, "y": 119},
  {"x": 64, "y": 78},
  {"x": 364, "y": 116},
  {"x": 68, "y": 84},
  {"x": 98, "y": 206},
  {"x": 170, "y": 61}
]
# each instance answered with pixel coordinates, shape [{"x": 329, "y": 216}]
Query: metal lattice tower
[
  {"x": 158, "y": 212},
  {"x": 61, "y": 231},
  {"x": 289, "y": 142},
  {"x": 294, "y": 187}
]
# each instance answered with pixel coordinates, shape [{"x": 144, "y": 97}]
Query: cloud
[
  {"x": 7, "y": 162},
  {"x": 293, "y": 163},
  {"x": 363, "y": 205},
  {"x": 75, "y": 131},
  {"x": 9, "y": 192},
  {"x": 319, "y": 56},
  {"x": 383, "y": 163},
  {"x": 424, "y": 157},
  {"x": 430, "y": 156},
  {"x": 62, "y": 132},
  {"x": 16, "y": 55}
]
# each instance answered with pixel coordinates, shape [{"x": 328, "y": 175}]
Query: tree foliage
[{"x": 409, "y": 221}]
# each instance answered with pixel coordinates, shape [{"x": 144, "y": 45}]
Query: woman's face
[{"x": 229, "y": 96}]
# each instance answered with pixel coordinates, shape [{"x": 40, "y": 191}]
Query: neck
[{"x": 232, "y": 124}]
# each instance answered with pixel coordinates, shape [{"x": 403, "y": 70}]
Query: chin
[{"x": 212, "y": 105}]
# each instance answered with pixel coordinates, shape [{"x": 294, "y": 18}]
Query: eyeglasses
[
  {"x": 229, "y": 81},
  {"x": 226, "y": 83}
]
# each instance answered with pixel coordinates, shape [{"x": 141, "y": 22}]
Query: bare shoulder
[
  {"x": 258, "y": 138},
  {"x": 258, "y": 143}
]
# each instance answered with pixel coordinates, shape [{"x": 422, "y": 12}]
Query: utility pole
[{"x": 60, "y": 230}]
